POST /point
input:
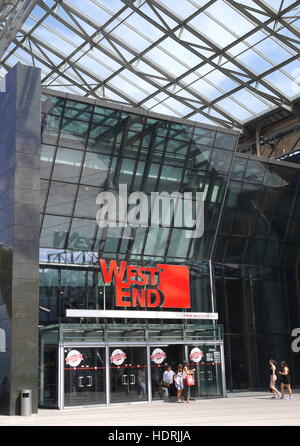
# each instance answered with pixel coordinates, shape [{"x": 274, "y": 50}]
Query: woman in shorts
[
  {"x": 273, "y": 379},
  {"x": 186, "y": 389},
  {"x": 285, "y": 380}
]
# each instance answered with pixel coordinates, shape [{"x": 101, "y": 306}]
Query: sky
[{"x": 178, "y": 63}]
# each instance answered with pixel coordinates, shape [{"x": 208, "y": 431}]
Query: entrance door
[
  {"x": 206, "y": 359},
  {"x": 161, "y": 356},
  {"x": 84, "y": 376},
  {"x": 128, "y": 374}
]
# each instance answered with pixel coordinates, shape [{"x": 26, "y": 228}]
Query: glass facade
[{"x": 244, "y": 266}]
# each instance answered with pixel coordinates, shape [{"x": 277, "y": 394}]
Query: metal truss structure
[{"x": 223, "y": 62}]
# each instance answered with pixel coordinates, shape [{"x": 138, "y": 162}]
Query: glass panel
[
  {"x": 54, "y": 232},
  {"x": 238, "y": 168},
  {"x": 67, "y": 165},
  {"x": 162, "y": 379},
  {"x": 86, "y": 202},
  {"x": 95, "y": 169},
  {"x": 221, "y": 161},
  {"x": 128, "y": 374},
  {"x": 175, "y": 146},
  {"x": 138, "y": 178},
  {"x": 199, "y": 157},
  {"x": 80, "y": 106},
  {"x": 156, "y": 241},
  {"x": 179, "y": 245},
  {"x": 49, "y": 289},
  {"x": 50, "y": 129},
  {"x": 77, "y": 114},
  {"x": 255, "y": 172},
  {"x": 138, "y": 240},
  {"x": 206, "y": 361},
  {"x": 108, "y": 239},
  {"x": 47, "y": 157},
  {"x": 49, "y": 376},
  {"x": 84, "y": 376},
  {"x": 225, "y": 141},
  {"x": 170, "y": 179},
  {"x": 82, "y": 234},
  {"x": 124, "y": 172},
  {"x": 151, "y": 178},
  {"x": 240, "y": 365},
  {"x": 73, "y": 133},
  {"x": 255, "y": 252},
  {"x": 233, "y": 194},
  {"x": 204, "y": 137},
  {"x": 61, "y": 198},
  {"x": 77, "y": 290},
  {"x": 44, "y": 185},
  {"x": 275, "y": 308},
  {"x": 101, "y": 139},
  {"x": 52, "y": 105}
]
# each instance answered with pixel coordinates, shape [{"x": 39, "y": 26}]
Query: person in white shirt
[
  {"x": 179, "y": 384},
  {"x": 168, "y": 380}
]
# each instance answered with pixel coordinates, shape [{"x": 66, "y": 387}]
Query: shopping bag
[{"x": 189, "y": 380}]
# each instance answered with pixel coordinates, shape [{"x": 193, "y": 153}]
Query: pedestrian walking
[
  {"x": 178, "y": 379},
  {"x": 168, "y": 380},
  {"x": 285, "y": 380},
  {"x": 273, "y": 379},
  {"x": 187, "y": 387}
]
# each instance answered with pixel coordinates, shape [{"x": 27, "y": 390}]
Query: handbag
[{"x": 189, "y": 380}]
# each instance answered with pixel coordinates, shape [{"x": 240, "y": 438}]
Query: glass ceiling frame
[{"x": 187, "y": 61}]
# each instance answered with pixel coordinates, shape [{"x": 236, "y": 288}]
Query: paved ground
[{"x": 238, "y": 409}]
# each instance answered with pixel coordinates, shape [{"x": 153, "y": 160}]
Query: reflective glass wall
[
  {"x": 249, "y": 248},
  {"x": 258, "y": 302},
  {"x": 88, "y": 149}
]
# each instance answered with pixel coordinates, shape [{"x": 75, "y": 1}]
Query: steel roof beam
[{"x": 12, "y": 19}]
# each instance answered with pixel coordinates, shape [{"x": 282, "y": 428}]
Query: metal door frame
[
  {"x": 147, "y": 344},
  {"x": 61, "y": 375}
]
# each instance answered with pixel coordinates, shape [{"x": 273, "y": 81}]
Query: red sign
[{"x": 168, "y": 286}]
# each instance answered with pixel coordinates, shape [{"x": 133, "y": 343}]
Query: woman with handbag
[{"x": 188, "y": 380}]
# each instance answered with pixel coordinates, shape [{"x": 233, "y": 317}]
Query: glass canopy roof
[{"x": 222, "y": 62}]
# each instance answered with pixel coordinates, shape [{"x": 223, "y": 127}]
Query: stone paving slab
[{"x": 240, "y": 409}]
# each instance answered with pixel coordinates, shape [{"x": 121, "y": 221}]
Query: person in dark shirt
[{"x": 285, "y": 380}]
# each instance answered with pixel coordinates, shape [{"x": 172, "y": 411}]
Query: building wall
[
  {"x": 250, "y": 223},
  {"x": 19, "y": 234}
]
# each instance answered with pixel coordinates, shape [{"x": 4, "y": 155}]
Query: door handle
[
  {"x": 210, "y": 376},
  {"x": 202, "y": 378},
  {"x": 132, "y": 379},
  {"x": 80, "y": 379},
  {"x": 90, "y": 381},
  {"x": 124, "y": 380}
]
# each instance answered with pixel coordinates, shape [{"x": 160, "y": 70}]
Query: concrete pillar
[{"x": 20, "y": 145}]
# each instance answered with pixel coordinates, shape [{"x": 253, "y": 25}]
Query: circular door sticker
[
  {"x": 74, "y": 358},
  {"x": 196, "y": 354},
  {"x": 158, "y": 356},
  {"x": 117, "y": 357}
]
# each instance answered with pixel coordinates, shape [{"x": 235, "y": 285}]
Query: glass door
[
  {"x": 162, "y": 356},
  {"x": 84, "y": 376},
  {"x": 128, "y": 374},
  {"x": 206, "y": 359}
]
